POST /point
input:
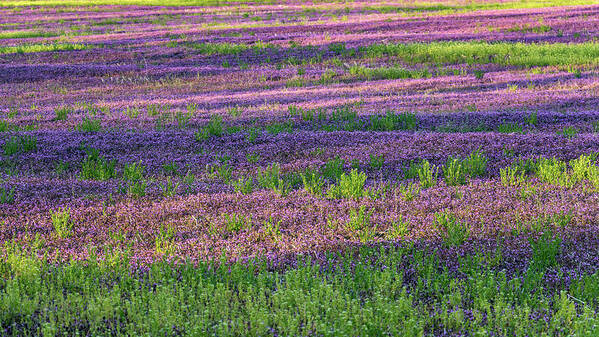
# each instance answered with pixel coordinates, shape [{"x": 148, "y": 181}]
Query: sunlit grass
[{"x": 42, "y": 47}]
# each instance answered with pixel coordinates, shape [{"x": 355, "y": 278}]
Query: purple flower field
[{"x": 439, "y": 135}]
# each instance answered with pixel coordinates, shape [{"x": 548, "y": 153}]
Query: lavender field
[{"x": 360, "y": 168}]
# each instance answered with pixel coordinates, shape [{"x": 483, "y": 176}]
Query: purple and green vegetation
[{"x": 266, "y": 168}]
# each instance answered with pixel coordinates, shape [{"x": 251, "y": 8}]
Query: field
[{"x": 234, "y": 168}]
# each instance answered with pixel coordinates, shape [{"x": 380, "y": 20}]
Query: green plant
[
  {"x": 545, "y": 249},
  {"x": 62, "y": 113},
  {"x": 170, "y": 168},
  {"x": 569, "y": 132},
  {"x": 479, "y": 74},
  {"x": 215, "y": 126},
  {"x": 61, "y": 221},
  {"x": 475, "y": 165},
  {"x": 96, "y": 167},
  {"x": 427, "y": 174},
  {"x": 272, "y": 229},
  {"x": 359, "y": 223},
  {"x": 61, "y": 167},
  {"x": 20, "y": 144},
  {"x": 137, "y": 189},
  {"x": 398, "y": 229},
  {"x": 252, "y": 158},
  {"x": 377, "y": 161},
  {"x": 169, "y": 188},
  {"x": 554, "y": 171},
  {"x": 89, "y": 125},
  {"x": 184, "y": 118},
  {"x": 236, "y": 222},
  {"x": 133, "y": 171},
  {"x": 532, "y": 119},
  {"x": 164, "y": 242},
  {"x": 453, "y": 231},
  {"x": 454, "y": 172},
  {"x": 510, "y": 128},
  {"x": 313, "y": 182},
  {"x": 409, "y": 191},
  {"x": 276, "y": 128},
  {"x": 132, "y": 112},
  {"x": 333, "y": 168},
  {"x": 348, "y": 186},
  {"x": 235, "y": 111},
  {"x": 7, "y": 196},
  {"x": 243, "y": 185},
  {"x": 511, "y": 176},
  {"x": 252, "y": 134}
]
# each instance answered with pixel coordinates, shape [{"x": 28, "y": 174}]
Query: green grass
[
  {"x": 366, "y": 294},
  {"x": 42, "y": 47},
  {"x": 23, "y": 34},
  {"x": 504, "y": 53}
]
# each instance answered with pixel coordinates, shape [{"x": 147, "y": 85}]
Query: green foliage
[
  {"x": 398, "y": 229},
  {"x": 366, "y": 294},
  {"x": 252, "y": 158},
  {"x": 213, "y": 128},
  {"x": 137, "y": 189},
  {"x": 545, "y": 249},
  {"x": 389, "y": 73},
  {"x": 554, "y": 171},
  {"x": 584, "y": 168},
  {"x": 89, "y": 125},
  {"x": 170, "y": 168},
  {"x": 169, "y": 188},
  {"x": 42, "y": 47},
  {"x": 243, "y": 185},
  {"x": 510, "y": 128},
  {"x": 454, "y": 172},
  {"x": 477, "y": 52},
  {"x": 236, "y": 222},
  {"x": 349, "y": 186},
  {"x": 133, "y": 171},
  {"x": 62, "y": 223},
  {"x": 409, "y": 191},
  {"x": 96, "y": 167},
  {"x": 377, "y": 161},
  {"x": 272, "y": 229},
  {"x": 359, "y": 224},
  {"x": 453, "y": 231},
  {"x": 391, "y": 121},
  {"x": 234, "y": 111},
  {"x": 475, "y": 165},
  {"x": 222, "y": 171},
  {"x": 327, "y": 77},
  {"x": 427, "y": 174},
  {"x": 252, "y": 134},
  {"x": 276, "y": 128},
  {"x": 271, "y": 178},
  {"x": 569, "y": 132},
  {"x": 344, "y": 113},
  {"x": 20, "y": 144},
  {"x": 184, "y": 118},
  {"x": 532, "y": 119},
  {"x": 511, "y": 176},
  {"x": 7, "y": 196},
  {"x": 164, "y": 242},
  {"x": 479, "y": 74},
  {"x": 132, "y": 112},
  {"x": 333, "y": 169},
  {"x": 63, "y": 112},
  {"x": 313, "y": 182}
]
